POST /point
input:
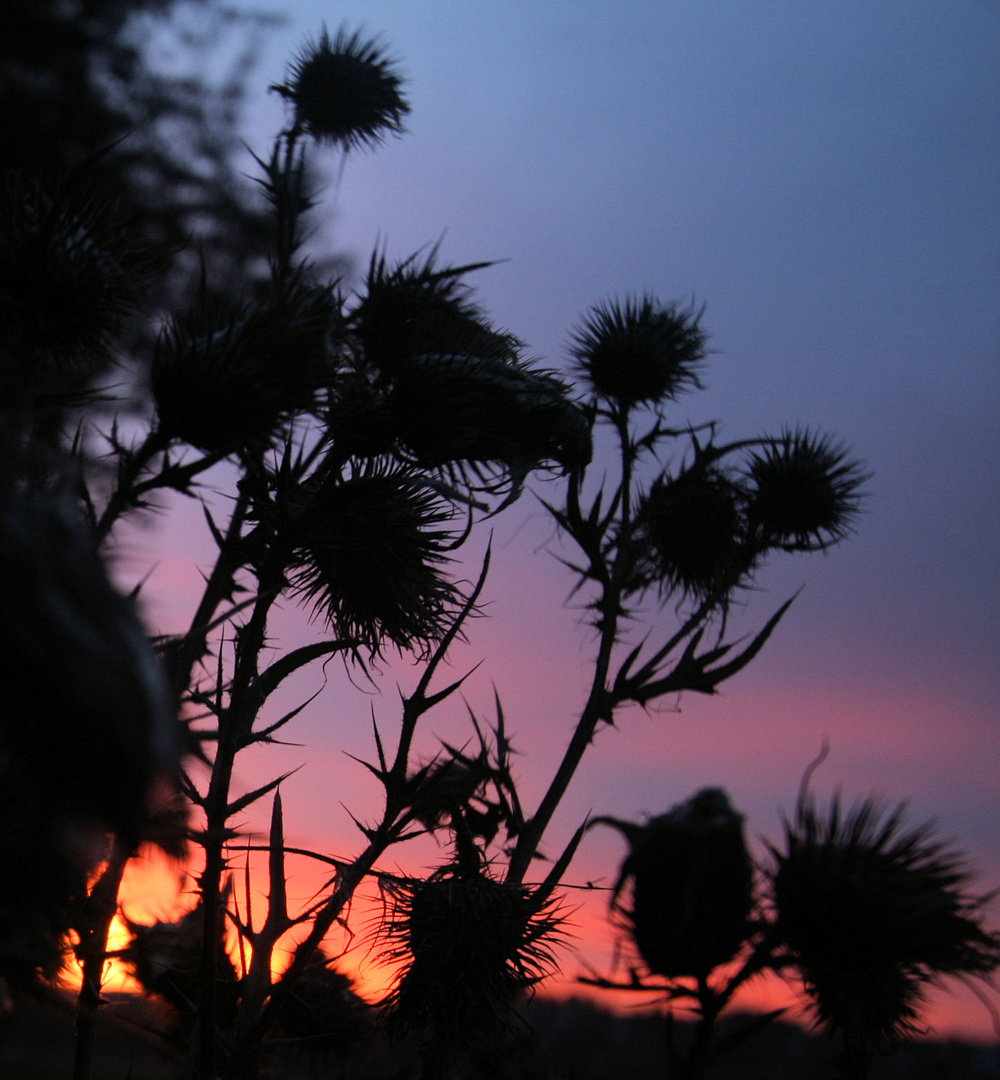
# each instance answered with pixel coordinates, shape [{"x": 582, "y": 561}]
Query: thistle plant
[
  {"x": 364, "y": 434},
  {"x": 872, "y": 911},
  {"x": 862, "y": 909}
]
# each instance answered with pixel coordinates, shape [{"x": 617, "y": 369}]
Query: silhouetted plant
[
  {"x": 691, "y": 886},
  {"x": 364, "y": 435},
  {"x": 866, "y": 913},
  {"x": 77, "y": 79},
  {"x": 872, "y": 912},
  {"x": 469, "y": 947}
]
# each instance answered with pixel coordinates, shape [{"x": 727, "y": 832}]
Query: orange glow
[{"x": 155, "y": 889}]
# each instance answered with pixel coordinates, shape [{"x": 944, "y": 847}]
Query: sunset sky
[{"x": 825, "y": 178}]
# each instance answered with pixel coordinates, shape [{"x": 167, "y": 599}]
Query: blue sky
[{"x": 824, "y": 176}]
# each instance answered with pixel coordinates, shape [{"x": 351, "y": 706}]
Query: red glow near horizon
[{"x": 156, "y": 889}]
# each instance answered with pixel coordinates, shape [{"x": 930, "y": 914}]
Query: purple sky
[{"x": 825, "y": 177}]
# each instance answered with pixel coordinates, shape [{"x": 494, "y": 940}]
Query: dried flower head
[
  {"x": 804, "y": 492},
  {"x": 469, "y": 947},
  {"x": 370, "y": 557},
  {"x": 224, "y": 375},
  {"x": 872, "y": 912},
  {"x": 691, "y": 533},
  {"x": 345, "y": 91},
  {"x": 641, "y": 352},
  {"x": 691, "y": 886}
]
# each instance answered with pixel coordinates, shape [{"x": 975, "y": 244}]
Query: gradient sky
[{"x": 825, "y": 178}]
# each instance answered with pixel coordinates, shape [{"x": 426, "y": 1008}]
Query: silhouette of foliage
[
  {"x": 360, "y": 439},
  {"x": 864, "y": 911},
  {"x": 77, "y": 78}
]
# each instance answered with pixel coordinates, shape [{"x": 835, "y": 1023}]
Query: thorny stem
[
  {"x": 254, "y": 1022},
  {"x": 126, "y": 492},
  {"x": 235, "y": 725},
  {"x": 100, "y": 908},
  {"x": 129, "y": 490},
  {"x": 600, "y": 702},
  {"x": 193, "y": 645}
]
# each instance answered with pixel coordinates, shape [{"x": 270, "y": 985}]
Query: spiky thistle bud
[
  {"x": 872, "y": 912},
  {"x": 369, "y": 556},
  {"x": 345, "y": 91},
  {"x": 691, "y": 534},
  {"x": 323, "y": 1021},
  {"x": 414, "y": 309},
  {"x": 225, "y": 375},
  {"x": 469, "y": 947},
  {"x": 464, "y": 408},
  {"x": 691, "y": 886},
  {"x": 71, "y": 273},
  {"x": 804, "y": 492},
  {"x": 640, "y": 352}
]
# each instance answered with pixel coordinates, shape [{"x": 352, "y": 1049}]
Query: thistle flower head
[
  {"x": 370, "y": 557},
  {"x": 469, "y": 946},
  {"x": 465, "y": 408},
  {"x": 691, "y": 886},
  {"x": 690, "y": 530},
  {"x": 345, "y": 91},
  {"x": 872, "y": 912},
  {"x": 641, "y": 352},
  {"x": 804, "y": 491},
  {"x": 324, "y": 1020}
]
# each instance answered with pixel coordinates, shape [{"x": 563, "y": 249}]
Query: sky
[{"x": 824, "y": 177}]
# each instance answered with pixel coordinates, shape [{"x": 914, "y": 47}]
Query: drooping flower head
[
  {"x": 872, "y": 912},
  {"x": 345, "y": 91},
  {"x": 641, "y": 352},
  {"x": 452, "y": 409},
  {"x": 416, "y": 308}
]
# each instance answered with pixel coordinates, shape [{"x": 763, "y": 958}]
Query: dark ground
[{"x": 571, "y": 1041}]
